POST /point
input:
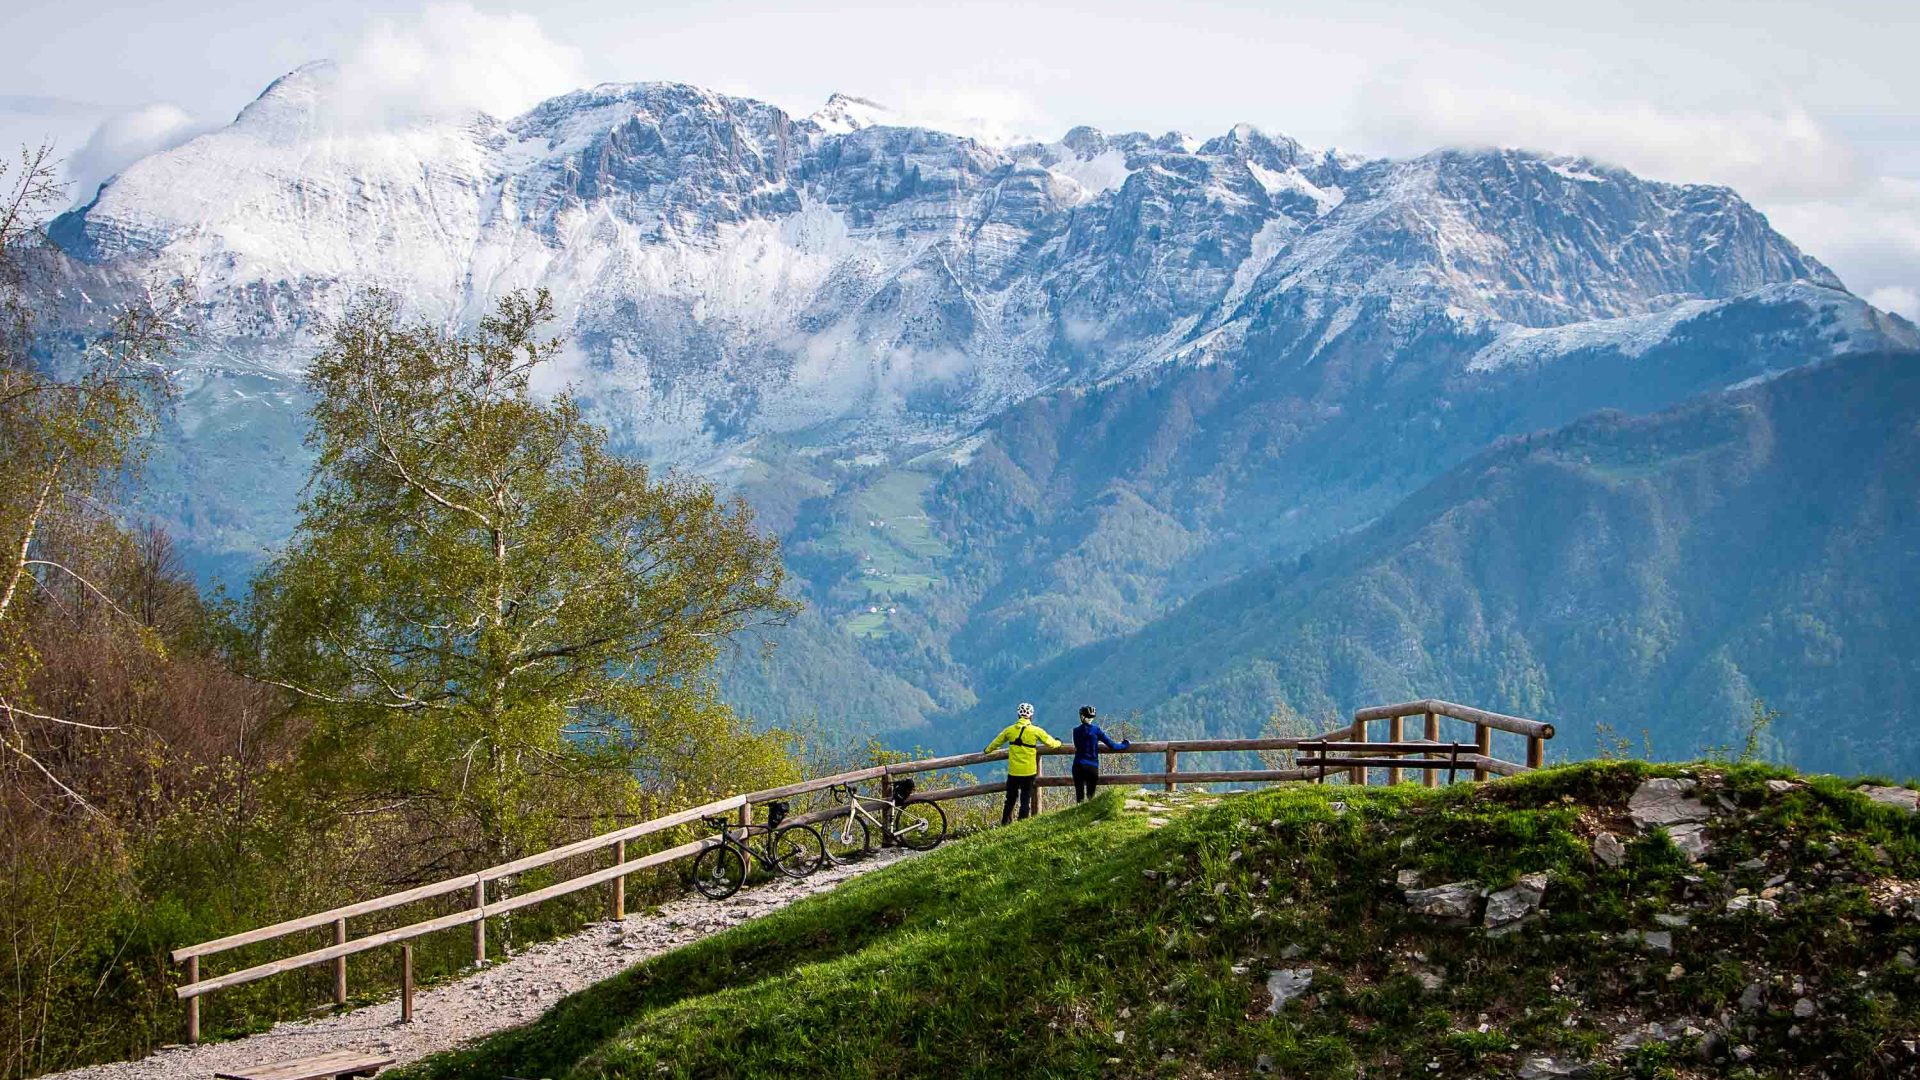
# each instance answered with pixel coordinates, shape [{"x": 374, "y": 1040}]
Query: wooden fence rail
[{"x": 1348, "y": 748}]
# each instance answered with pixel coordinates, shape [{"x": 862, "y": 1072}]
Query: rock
[
  {"x": 1904, "y": 959},
  {"x": 1660, "y": 941},
  {"x": 1514, "y": 904},
  {"x": 1293, "y": 951},
  {"x": 1691, "y": 839},
  {"x": 1665, "y": 801},
  {"x": 1905, "y": 798},
  {"x": 1407, "y": 879},
  {"x": 1220, "y": 889},
  {"x": 1759, "y": 905},
  {"x": 1430, "y": 981},
  {"x": 1546, "y": 1068},
  {"x": 1781, "y": 787},
  {"x": 1640, "y": 1036},
  {"x": 1804, "y": 1008},
  {"x": 1133, "y": 804},
  {"x": 1156, "y": 822},
  {"x": 1609, "y": 850},
  {"x": 1285, "y": 984},
  {"x": 1672, "y": 922},
  {"x": 1457, "y": 901},
  {"x": 1752, "y": 998},
  {"x": 1263, "y": 1063}
]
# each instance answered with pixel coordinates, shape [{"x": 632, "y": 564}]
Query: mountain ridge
[{"x": 1275, "y": 343}]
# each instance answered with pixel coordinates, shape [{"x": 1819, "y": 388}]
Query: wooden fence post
[
  {"x": 1039, "y": 792},
  {"x": 1359, "y": 734},
  {"x": 1536, "y": 752},
  {"x": 480, "y": 924},
  {"x": 340, "y": 963},
  {"x": 1173, "y": 766},
  {"x": 193, "y": 1003},
  {"x": 1484, "y": 735},
  {"x": 886, "y": 812},
  {"x": 1396, "y": 732},
  {"x": 1431, "y": 777},
  {"x": 619, "y": 883},
  {"x": 406, "y": 984}
]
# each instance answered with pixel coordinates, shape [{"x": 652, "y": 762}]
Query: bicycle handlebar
[{"x": 715, "y": 823}]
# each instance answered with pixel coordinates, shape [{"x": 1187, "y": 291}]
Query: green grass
[
  {"x": 885, "y": 527},
  {"x": 1087, "y": 943}
]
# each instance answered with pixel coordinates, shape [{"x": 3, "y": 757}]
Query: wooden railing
[{"x": 1340, "y": 749}]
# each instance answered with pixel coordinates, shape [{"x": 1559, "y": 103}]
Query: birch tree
[
  {"x": 69, "y": 428},
  {"x": 492, "y": 618}
]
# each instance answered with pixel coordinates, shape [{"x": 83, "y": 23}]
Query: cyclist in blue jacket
[{"x": 1087, "y": 740}]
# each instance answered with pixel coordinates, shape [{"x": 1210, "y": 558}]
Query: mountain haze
[{"x": 1655, "y": 574}]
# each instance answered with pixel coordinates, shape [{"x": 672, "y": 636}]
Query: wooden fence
[{"x": 1346, "y": 750}]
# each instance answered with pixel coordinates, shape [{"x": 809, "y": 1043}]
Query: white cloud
[
  {"x": 995, "y": 116},
  {"x": 1766, "y": 152},
  {"x": 1899, "y": 299},
  {"x": 123, "y": 139},
  {"x": 449, "y": 60}
]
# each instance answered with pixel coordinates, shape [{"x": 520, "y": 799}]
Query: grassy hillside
[
  {"x": 1656, "y": 573},
  {"x": 1090, "y": 942}
]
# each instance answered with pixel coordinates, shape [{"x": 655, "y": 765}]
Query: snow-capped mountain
[{"x": 728, "y": 271}]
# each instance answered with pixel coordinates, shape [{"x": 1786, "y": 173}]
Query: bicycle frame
[
  {"x": 857, "y": 804},
  {"x": 742, "y": 842}
]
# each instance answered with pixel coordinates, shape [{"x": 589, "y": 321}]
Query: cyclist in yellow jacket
[{"x": 1022, "y": 738}]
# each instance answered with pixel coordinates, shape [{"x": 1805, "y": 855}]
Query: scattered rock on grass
[
  {"x": 1454, "y": 902},
  {"x": 1905, "y": 798},
  {"x": 1285, "y": 984},
  {"x": 1609, "y": 850},
  {"x": 1546, "y": 1068},
  {"x": 1691, "y": 839},
  {"x": 1509, "y": 906},
  {"x": 1666, "y": 801},
  {"x": 1759, "y": 905}
]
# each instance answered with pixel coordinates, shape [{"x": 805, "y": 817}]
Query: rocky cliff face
[{"x": 729, "y": 271}]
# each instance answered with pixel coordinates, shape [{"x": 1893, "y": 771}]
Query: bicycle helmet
[
  {"x": 1026, "y": 710},
  {"x": 1086, "y": 712}
]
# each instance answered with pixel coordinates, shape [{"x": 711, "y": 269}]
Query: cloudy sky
[{"x": 1808, "y": 110}]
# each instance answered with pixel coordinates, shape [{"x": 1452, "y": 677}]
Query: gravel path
[{"x": 507, "y": 994}]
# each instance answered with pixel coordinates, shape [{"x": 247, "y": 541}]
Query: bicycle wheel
[
  {"x": 920, "y": 825},
  {"x": 798, "y": 850},
  {"x": 847, "y": 839},
  {"x": 719, "y": 872}
]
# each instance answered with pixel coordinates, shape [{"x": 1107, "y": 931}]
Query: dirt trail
[{"x": 507, "y": 994}]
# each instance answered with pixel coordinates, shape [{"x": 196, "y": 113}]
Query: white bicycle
[{"x": 916, "y": 825}]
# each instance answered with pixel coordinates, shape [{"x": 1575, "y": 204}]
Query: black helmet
[{"x": 1086, "y": 712}]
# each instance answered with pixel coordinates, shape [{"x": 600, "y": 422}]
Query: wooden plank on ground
[{"x": 318, "y": 1067}]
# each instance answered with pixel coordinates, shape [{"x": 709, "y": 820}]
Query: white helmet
[{"x": 1026, "y": 710}]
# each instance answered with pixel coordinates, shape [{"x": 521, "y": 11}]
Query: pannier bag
[
  {"x": 776, "y": 813},
  {"x": 902, "y": 790}
]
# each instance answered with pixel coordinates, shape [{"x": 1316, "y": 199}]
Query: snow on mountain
[
  {"x": 844, "y": 113},
  {"x": 728, "y": 273}
]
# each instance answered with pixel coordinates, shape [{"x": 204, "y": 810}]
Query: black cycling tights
[
  {"x": 1021, "y": 788},
  {"x": 1086, "y": 780}
]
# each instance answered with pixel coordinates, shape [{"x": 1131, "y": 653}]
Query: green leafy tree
[{"x": 497, "y": 624}]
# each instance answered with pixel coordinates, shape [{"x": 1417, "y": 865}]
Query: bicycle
[
  {"x": 795, "y": 851},
  {"x": 920, "y": 826}
]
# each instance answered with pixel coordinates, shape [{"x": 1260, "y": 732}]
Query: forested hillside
[{"x": 1655, "y": 575}]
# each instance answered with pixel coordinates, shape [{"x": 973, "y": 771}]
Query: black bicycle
[
  {"x": 920, "y": 826},
  {"x": 794, "y": 851}
]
